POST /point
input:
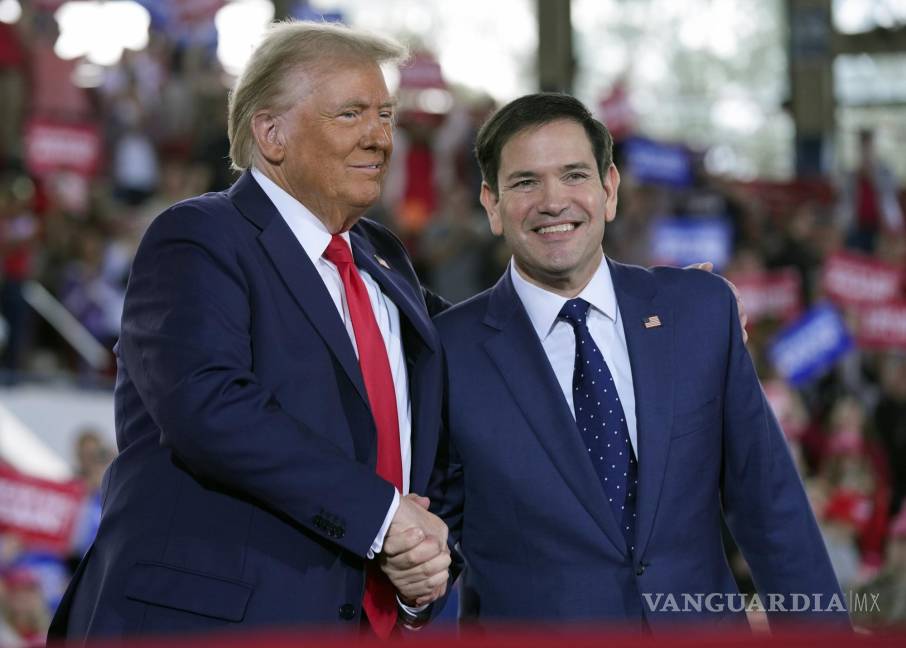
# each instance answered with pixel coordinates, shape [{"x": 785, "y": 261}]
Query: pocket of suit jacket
[{"x": 182, "y": 589}]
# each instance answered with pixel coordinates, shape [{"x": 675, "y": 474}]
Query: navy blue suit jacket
[
  {"x": 245, "y": 493},
  {"x": 515, "y": 485}
]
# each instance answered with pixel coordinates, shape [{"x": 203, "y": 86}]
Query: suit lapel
[
  {"x": 299, "y": 275},
  {"x": 651, "y": 356},
  {"x": 420, "y": 346},
  {"x": 410, "y": 304},
  {"x": 521, "y": 361},
  {"x": 308, "y": 290}
]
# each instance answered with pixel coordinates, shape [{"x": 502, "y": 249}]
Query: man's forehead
[
  {"x": 564, "y": 143},
  {"x": 341, "y": 81}
]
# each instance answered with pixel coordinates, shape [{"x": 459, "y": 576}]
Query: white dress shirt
[
  {"x": 559, "y": 339},
  {"x": 314, "y": 237}
]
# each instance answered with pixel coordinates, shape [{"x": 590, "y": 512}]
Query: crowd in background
[{"x": 160, "y": 115}]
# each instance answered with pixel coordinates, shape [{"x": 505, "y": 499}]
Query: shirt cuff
[
  {"x": 412, "y": 611},
  {"x": 378, "y": 543},
  {"x": 413, "y": 618}
]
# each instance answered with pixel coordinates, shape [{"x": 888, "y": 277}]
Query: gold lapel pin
[
  {"x": 653, "y": 321},
  {"x": 381, "y": 261}
]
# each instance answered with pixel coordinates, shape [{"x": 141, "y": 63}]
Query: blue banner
[
  {"x": 657, "y": 163},
  {"x": 810, "y": 347},
  {"x": 692, "y": 239},
  {"x": 187, "y": 22},
  {"x": 302, "y": 11}
]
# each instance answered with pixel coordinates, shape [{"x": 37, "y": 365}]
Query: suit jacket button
[{"x": 347, "y": 611}]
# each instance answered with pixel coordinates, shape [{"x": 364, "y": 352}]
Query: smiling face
[
  {"x": 331, "y": 150},
  {"x": 552, "y": 205}
]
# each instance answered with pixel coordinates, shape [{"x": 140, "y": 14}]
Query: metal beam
[
  {"x": 556, "y": 63},
  {"x": 877, "y": 41}
]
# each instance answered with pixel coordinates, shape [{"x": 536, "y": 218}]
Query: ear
[
  {"x": 490, "y": 201},
  {"x": 266, "y": 129},
  {"x": 611, "y": 185}
]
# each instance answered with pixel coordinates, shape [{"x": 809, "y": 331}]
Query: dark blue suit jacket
[
  {"x": 244, "y": 493},
  {"x": 515, "y": 485}
]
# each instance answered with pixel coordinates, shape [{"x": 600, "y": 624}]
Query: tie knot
[
  {"x": 338, "y": 251},
  {"x": 575, "y": 311}
]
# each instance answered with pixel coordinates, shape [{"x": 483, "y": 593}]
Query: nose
[
  {"x": 377, "y": 134},
  {"x": 553, "y": 197}
]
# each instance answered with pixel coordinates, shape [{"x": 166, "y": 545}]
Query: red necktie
[{"x": 380, "y": 595}]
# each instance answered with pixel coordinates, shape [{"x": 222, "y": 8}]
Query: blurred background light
[
  {"x": 10, "y": 11},
  {"x": 100, "y": 31},
  {"x": 240, "y": 25}
]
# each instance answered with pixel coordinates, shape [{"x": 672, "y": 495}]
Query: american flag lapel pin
[
  {"x": 653, "y": 321},
  {"x": 382, "y": 262}
]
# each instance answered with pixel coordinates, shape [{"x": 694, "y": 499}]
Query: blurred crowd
[{"x": 158, "y": 122}]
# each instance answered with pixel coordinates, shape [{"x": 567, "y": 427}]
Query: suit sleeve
[
  {"x": 446, "y": 490},
  {"x": 187, "y": 346},
  {"x": 765, "y": 504}
]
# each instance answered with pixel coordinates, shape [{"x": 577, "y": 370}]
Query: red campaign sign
[
  {"x": 782, "y": 198},
  {"x": 41, "y": 512},
  {"x": 51, "y": 147},
  {"x": 855, "y": 279},
  {"x": 882, "y": 326},
  {"x": 776, "y": 294}
]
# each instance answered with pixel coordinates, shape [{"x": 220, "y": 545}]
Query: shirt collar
[
  {"x": 543, "y": 306},
  {"x": 308, "y": 228}
]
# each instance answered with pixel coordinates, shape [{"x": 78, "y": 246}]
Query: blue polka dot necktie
[{"x": 602, "y": 423}]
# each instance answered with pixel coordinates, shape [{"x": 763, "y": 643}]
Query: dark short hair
[{"x": 532, "y": 111}]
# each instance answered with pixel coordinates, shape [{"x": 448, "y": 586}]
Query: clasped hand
[{"x": 416, "y": 557}]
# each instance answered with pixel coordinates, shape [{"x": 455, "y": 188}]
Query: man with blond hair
[{"x": 279, "y": 380}]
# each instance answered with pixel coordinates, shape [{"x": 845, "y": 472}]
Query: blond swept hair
[{"x": 286, "y": 47}]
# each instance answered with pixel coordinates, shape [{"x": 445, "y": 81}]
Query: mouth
[
  {"x": 554, "y": 229},
  {"x": 372, "y": 168}
]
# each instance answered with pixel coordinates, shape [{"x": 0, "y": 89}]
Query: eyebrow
[
  {"x": 524, "y": 174},
  {"x": 582, "y": 166},
  {"x": 362, "y": 103}
]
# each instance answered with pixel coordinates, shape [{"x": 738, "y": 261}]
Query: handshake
[{"x": 416, "y": 557}]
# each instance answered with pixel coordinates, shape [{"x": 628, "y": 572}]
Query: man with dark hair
[{"x": 602, "y": 419}]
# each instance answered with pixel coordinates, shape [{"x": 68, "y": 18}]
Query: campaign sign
[
  {"x": 770, "y": 295},
  {"x": 684, "y": 240},
  {"x": 809, "y": 347},
  {"x": 51, "y": 147},
  {"x": 782, "y": 198},
  {"x": 41, "y": 512},
  {"x": 657, "y": 163},
  {"x": 302, "y": 11},
  {"x": 186, "y": 21},
  {"x": 882, "y": 326},
  {"x": 854, "y": 279}
]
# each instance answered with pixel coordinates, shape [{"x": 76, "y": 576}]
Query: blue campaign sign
[
  {"x": 658, "y": 163},
  {"x": 188, "y": 22},
  {"x": 692, "y": 239},
  {"x": 302, "y": 11},
  {"x": 809, "y": 347}
]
